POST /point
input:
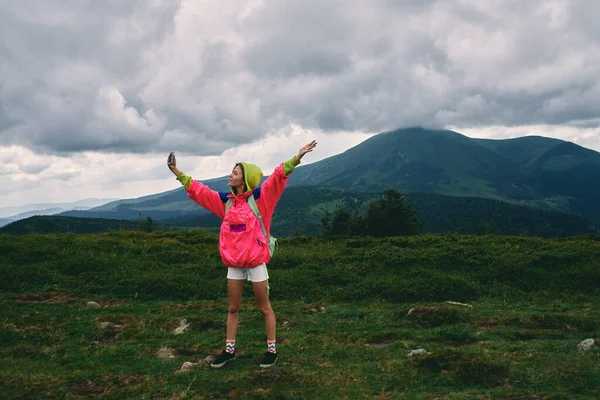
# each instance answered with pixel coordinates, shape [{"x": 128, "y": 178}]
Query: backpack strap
[{"x": 254, "y": 207}]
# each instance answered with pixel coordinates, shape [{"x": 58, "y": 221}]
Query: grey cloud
[
  {"x": 63, "y": 57},
  {"x": 64, "y": 176},
  {"x": 282, "y": 61},
  {"x": 34, "y": 169},
  {"x": 291, "y": 38},
  {"x": 169, "y": 75}
]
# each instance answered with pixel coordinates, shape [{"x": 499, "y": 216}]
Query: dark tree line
[{"x": 390, "y": 215}]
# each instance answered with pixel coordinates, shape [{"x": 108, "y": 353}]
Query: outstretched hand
[
  {"x": 172, "y": 163},
  {"x": 306, "y": 149}
]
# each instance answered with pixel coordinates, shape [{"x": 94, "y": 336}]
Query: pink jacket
[{"x": 241, "y": 240}]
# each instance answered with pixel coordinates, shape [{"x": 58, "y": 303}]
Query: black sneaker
[
  {"x": 222, "y": 359},
  {"x": 268, "y": 360}
]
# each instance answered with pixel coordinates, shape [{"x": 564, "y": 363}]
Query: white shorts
[{"x": 256, "y": 274}]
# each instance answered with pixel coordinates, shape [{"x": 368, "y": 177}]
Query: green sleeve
[
  {"x": 290, "y": 164},
  {"x": 185, "y": 180}
]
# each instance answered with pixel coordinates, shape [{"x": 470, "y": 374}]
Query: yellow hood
[{"x": 252, "y": 176}]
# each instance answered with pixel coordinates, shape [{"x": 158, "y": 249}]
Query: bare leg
[
  {"x": 264, "y": 306},
  {"x": 234, "y": 291}
]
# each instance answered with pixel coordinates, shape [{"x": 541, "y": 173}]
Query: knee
[
  {"x": 265, "y": 308},
  {"x": 234, "y": 309}
]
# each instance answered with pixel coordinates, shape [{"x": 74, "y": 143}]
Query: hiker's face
[{"x": 236, "y": 178}]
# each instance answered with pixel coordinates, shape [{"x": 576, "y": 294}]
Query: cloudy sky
[{"x": 94, "y": 94}]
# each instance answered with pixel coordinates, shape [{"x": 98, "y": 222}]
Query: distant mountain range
[
  {"x": 532, "y": 172},
  {"x": 15, "y": 213}
]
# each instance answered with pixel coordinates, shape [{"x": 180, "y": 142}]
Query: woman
[{"x": 242, "y": 245}]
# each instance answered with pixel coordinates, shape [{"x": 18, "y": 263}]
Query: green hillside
[
  {"x": 58, "y": 224},
  {"x": 523, "y": 151},
  {"x": 481, "y": 215}
]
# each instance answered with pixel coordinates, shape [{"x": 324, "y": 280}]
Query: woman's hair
[{"x": 243, "y": 175}]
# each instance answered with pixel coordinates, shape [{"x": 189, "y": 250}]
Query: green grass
[
  {"x": 54, "y": 347},
  {"x": 533, "y": 302}
]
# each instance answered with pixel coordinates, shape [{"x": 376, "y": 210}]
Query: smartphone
[{"x": 172, "y": 158}]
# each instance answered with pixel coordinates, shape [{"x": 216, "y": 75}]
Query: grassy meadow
[{"x": 344, "y": 329}]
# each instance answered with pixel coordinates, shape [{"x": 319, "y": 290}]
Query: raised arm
[
  {"x": 210, "y": 199},
  {"x": 305, "y": 149},
  {"x": 273, "y": 187}
]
